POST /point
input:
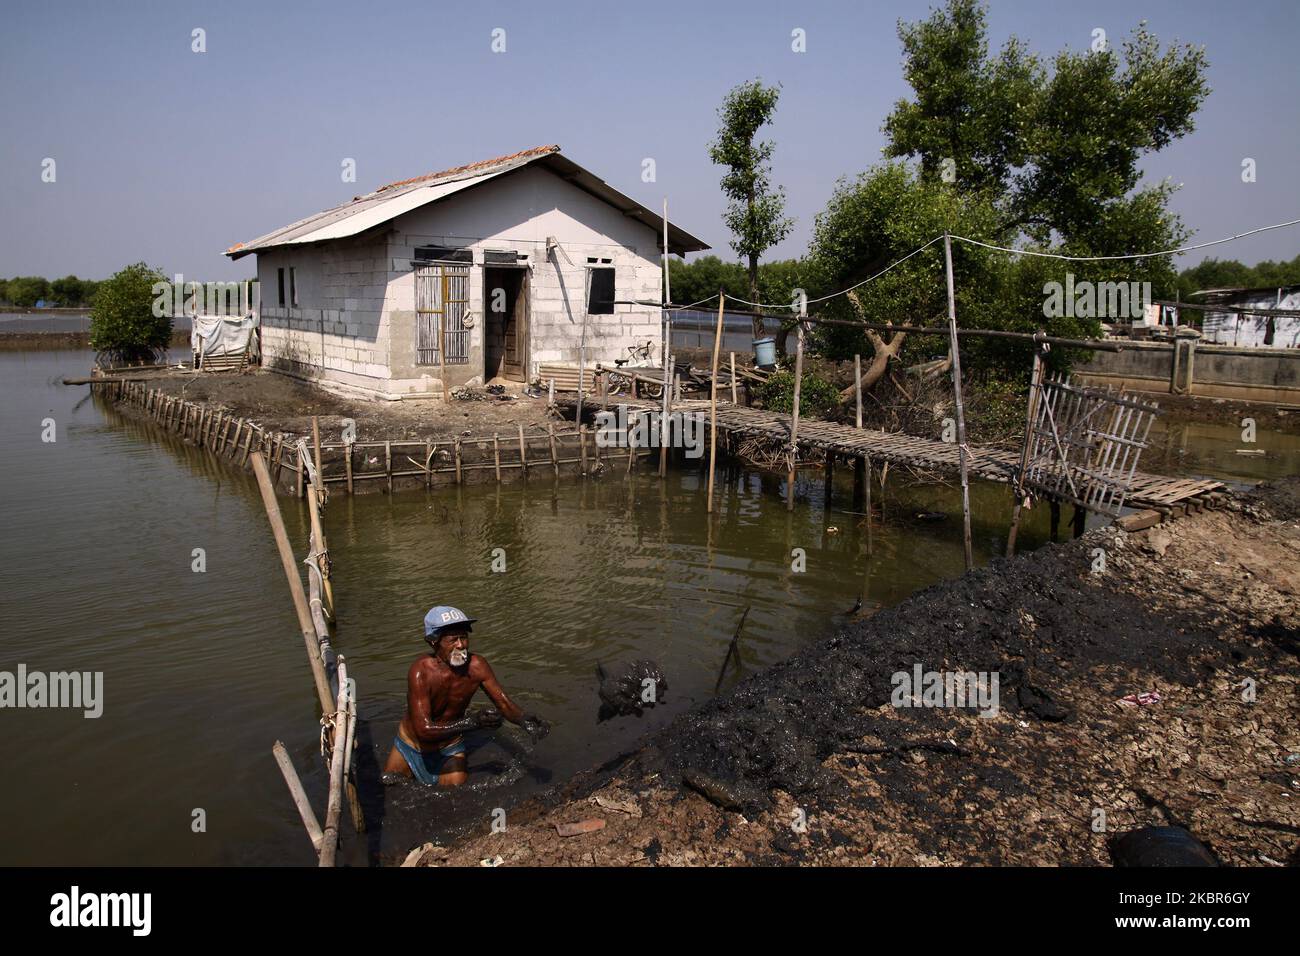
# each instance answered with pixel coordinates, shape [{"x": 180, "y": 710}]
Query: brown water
[{"x": 204, "y": 671}]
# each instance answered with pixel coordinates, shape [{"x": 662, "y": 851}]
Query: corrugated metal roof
[{"x": 394, "y": 199}]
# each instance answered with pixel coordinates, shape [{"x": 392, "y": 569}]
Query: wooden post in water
[
  {"x": 713, "y": 397},
  {"x": 663, "y": 418},
  {"x": 315, "y": 440},
  {"x": 296, "y": 591},
  {"x": 734, "y": 398},
  {"x": 334, "y": 804},
  {"x": 523, "y": 452},
  {"x": 793, "y": 454},
  {"x": 859, "y": 465},
  {"x": 1018, "y": 488},
  {"x": 496, "y": 454},
  {"x": 299, "y": 795},
  {"x": 961, "y": 410},
  {"x": 555, "y": 459},
  {"x": 321, "y": 558}
]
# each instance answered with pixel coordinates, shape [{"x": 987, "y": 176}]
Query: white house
[
  {"x": 487, "y": 271},
  {"x": 1233, "y": 327}
]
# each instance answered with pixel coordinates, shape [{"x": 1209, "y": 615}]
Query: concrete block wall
[
  {"x": 337, "y": 333},
  {"x": 355, "y": 323}
]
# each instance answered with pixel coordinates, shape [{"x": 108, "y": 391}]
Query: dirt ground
[
  {"x": 288, "y": 404},
  {"x": 809, "y": 763}
]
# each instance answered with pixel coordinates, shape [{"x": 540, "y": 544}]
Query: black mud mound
[{"x": 1036, "y": 620}]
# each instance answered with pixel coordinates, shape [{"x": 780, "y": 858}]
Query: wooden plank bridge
[{"x": 1165, "y": 495}]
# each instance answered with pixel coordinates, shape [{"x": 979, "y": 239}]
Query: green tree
[
  {"x": 123, "y": 326},
  {"x": 756, "y": 210},
  {"x": 68, "y": 291},
  {"x": 26, "y": 291}
]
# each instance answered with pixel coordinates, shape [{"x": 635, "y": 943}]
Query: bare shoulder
[
  {"x": 479, "y": 668},
  {"x": 423, "y": 669}
]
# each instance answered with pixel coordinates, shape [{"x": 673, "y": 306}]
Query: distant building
[
  {"x": 490, "y": 270},
  {"x": 1232, "y": 327}
]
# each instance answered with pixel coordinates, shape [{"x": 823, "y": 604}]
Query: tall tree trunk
[{"x": 753, "y": 296}]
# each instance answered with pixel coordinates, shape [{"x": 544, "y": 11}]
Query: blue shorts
[{"x": 426, "y": 767}]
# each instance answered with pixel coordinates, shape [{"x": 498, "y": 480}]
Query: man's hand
[
  {"x": 536, "y": 727},
  {"x": 488, "y": 718}
]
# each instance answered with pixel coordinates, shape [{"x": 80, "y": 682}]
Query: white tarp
[{"x": 224, "y": 334}]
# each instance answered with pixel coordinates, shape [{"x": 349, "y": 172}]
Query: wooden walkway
[{"x": 1157, "y": 492}]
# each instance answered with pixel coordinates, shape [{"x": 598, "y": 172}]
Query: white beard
[{"x": 459, "y": 658}]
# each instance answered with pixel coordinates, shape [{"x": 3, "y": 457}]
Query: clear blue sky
[{"x": 170, "y": 156}]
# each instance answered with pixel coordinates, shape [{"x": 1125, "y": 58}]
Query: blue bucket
[{"x": 765, "y": 352}]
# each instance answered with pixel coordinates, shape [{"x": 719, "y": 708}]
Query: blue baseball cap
[{"x": 444, "y": 616}]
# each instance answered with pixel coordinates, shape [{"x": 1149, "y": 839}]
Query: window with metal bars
[{"x": 441, "y": 302}]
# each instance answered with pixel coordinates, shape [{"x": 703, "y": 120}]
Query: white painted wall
[
  {"x": 355, "y": 321},
  {"x": 1228, "y": 328},
  {"x": 338, "y": 331}
]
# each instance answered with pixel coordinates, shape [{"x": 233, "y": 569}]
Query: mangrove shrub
[{"x": 123, "y": 327}]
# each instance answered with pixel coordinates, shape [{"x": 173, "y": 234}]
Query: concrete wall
[
  {"x": 1213, "y": 371},
  {"x": 1232, "y": 328},
  {"x": 517, "y": 212},
  {"x": 338, "y": 332},
  {"x": 355, "y": 328}
]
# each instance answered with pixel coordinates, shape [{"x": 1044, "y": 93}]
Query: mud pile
[{"x": 1145, "y": 679}]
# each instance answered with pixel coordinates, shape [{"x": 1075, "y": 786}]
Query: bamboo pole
[
  {"x": 291, "y": 574},
  {"x": 442, "y": 353},
  {"x": 347, "y": 464},
  {"x": 496, "y": 455},
  {"x": 320, "y": 548},
  {"x": 582, "y": 446},
  {"x": 961, "y": 410},
  {"x": 663, "y": 417},
  {"x": 299, "y": 795},
  {"x": 734, "y": 397},
  {"x": 1018, "y": 489},
  {"x": 713, "y": 398},
  {"x": 315, "y": 439},
  {"x": 388, "y": 465},
  {"x": 523, "y": 451},
  {"x": 428, "y": 464},
  {"x": 857, "y": 385},
  {"x": 456, "y": 448},
  {"x": 334, "y": 803},
  {"x": 793, "y": 453},
  {"x": 349, "y": 773}
]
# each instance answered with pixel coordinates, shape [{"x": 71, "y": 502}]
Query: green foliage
[
  {"x": 70, "y": 291},
  {"x": 26, "y": 291},
  {"x": 817, "y": 397},
  {"x": 1009, "y": 151},
  {"x": 756, "y": 210},
  {"x": 1231, "y": 274},
  {"x": 122, "y": 321}
]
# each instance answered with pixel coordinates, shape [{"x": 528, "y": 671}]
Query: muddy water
[
  {"x": 1223, "y": 451},
  {"x": 202, "y": 672}
]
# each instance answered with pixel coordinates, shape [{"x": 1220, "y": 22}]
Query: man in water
[{"x": 430, "y": 744}]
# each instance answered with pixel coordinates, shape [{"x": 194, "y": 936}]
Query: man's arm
[
  {"x": 534, "y": 725},
  {"x": 419, "y": 707}
]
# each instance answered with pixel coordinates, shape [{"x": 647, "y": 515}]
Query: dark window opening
[
  {"x": 600, "y": 294},
  {"x": 443, "y": 254},
  {"x": 280, "y": 278},
  {"x": 293, "y": 286}
]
